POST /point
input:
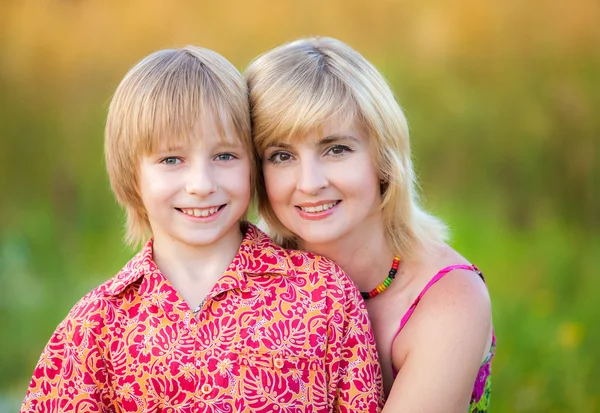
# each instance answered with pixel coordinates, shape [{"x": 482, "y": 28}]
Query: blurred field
[{"x": 503, "y": 101}]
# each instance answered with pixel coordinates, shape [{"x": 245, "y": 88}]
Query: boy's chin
[{"x": 210, "y": 236}]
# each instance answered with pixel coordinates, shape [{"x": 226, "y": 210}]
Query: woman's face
[{"x": 324, "y": 186}]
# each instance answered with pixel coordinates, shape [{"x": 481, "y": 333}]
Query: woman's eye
[
  {"x": 224, "y": 157},
  {"x": 338, "y": 150},
  {"x": 279, "y": 157},
  {"x": 171, "y": 160}
]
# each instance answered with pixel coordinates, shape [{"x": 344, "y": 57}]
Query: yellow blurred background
[{"x": 502, "y": 98}]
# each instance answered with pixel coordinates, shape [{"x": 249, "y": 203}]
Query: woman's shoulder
[
  {"x": 458, "y": 299},
  {"x": 452, "y": 282},
  {"x": 449, "y": 332},
  {"x": 454, "y": 303}
]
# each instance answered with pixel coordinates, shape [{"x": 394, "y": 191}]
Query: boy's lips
[{"x": 201, "y": 212}]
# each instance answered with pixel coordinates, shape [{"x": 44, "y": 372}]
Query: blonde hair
[
  {"x": 299, "y": 86},
  {"x": 160, "y": 102}
]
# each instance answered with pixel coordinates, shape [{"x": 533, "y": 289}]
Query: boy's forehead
[
  {"x": 197, "y": 140},
  {"x": 205, "y": 132}
]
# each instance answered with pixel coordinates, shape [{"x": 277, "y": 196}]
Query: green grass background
[{"x": 502, "y": 100}]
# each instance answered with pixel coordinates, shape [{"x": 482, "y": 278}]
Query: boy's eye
[
  {"x": 279, "y": 157},
  {"x": 225, "y": 157},
  {"x": 171, "y": 160}
]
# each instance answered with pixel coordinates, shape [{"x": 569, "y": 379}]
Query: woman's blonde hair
[
  {"x": 160, "y": 102},
  {"x": 299, "y": 86}
]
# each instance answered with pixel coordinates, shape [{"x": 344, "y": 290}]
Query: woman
[{"x": 338, "y": 181}]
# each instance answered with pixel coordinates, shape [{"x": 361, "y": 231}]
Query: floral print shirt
[{"x": 281, "y": 331}]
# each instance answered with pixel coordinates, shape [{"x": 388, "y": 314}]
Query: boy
[{"x": 211, "y": 315}]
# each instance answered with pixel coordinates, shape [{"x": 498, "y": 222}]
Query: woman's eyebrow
[
  {"x": 279, "y": 145},
  {"x": 328, "y": 140},
  {"x": 336, "y": 138}
]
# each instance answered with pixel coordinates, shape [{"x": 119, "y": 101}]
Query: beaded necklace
[{"x": 386, "y": 283}]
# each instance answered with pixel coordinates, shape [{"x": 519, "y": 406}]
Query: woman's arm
[{"x": 440, "y": 350}]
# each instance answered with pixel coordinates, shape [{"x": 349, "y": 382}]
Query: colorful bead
[{"x": 385, "y": 284}]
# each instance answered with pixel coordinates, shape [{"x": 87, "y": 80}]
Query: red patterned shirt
[{"x": 281, "y": 331}]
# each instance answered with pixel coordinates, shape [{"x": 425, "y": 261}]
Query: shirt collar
[
  {"x": 257, "y": 255},
  {"x": 137, "y": 267}
]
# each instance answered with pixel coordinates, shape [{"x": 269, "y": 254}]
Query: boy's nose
[{"x": 201, "y": 181}]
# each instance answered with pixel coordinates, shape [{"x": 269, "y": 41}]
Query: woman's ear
[{"x": 383, "y": 186}]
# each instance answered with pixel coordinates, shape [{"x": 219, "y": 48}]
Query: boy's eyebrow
[
  {"x": 167, "y": 149},
  {"x": 223, "y": 144},
  {"x": 230, "y": 144}
]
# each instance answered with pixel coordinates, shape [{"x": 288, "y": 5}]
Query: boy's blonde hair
[
  {"x": 159, "y": 102},
  {"x": 299, "y": 86}
]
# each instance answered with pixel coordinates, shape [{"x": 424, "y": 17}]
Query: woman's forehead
[{"x": 333, "y": 125}]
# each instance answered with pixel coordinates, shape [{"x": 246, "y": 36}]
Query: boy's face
[{"x": 196, "y": 193}]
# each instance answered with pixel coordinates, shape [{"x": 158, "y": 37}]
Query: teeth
[
  {"x": 319, "y": 208},
  {"x": 197, "y": 212}
]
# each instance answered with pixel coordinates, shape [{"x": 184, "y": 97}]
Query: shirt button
[
  {"x": 206, "y": 389},
  {"x": 278, "y": 363}
]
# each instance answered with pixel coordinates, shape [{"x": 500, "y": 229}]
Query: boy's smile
[{"x": 202, "y": 212}]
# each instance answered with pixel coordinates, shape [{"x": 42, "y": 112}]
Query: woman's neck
[{"x": 365, "y": 257}]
